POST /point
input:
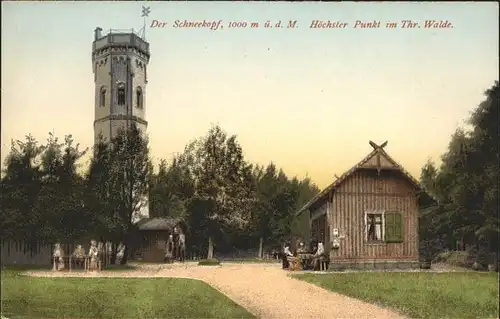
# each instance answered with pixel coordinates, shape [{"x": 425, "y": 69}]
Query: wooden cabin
[
  {"x": 368, "y": 217},
  {"x": 153, "y": 235}
]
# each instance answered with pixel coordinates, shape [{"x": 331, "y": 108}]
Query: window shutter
[
  {"x": 366, "y": 227},
  {"x": 394, "y": 228}
]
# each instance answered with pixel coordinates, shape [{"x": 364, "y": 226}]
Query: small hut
[
  {"x": 368, "y": 217},
  {"x": 153, "y": 235}
]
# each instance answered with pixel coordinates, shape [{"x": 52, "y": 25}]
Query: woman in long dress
[
  {"x": 169, "y": 249},
  {"x": 320, "y": 253},
  {"x": 93, "y": 256},
  {"x": 58, "y": 257},
  {"x": 286, "y": 254},
  {"x": 182, "y": 247}
]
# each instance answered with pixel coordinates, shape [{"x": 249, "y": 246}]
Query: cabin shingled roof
[
  {"x": 353, "y": 169},
  {"x": 158, "y": 223}
]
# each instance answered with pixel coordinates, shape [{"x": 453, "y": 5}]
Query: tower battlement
[{"x": 115, "y": 38}]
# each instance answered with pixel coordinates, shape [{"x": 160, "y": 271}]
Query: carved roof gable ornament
[{"x": 378, "y": 151}]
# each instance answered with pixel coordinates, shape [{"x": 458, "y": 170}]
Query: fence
[
  {"x": 19, "y": 253},
  {"x": 246, "y": 254}
]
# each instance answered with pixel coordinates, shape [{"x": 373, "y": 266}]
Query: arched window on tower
[
  {"x": 139, "y": 97},
  {"x": 102, "y": 97},
  {"x": 121, "y": 94}
]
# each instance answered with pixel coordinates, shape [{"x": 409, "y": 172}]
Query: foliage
[
  {"x": 209, "y": 262},
  {"x": 466, "y": 185},
  {"x": 28, "y": 297},
  {"x": 99, "y": 197},
  {"x": 42, "y": 195},
  {"x": 210, "y": 185},
  {"x": 278, "y": 200},
  {"x": 420, "y": 294},
  {"x": 171, "y": 188},
  {"x": 130, "y": 170},
  {"x": 455, "y": 258}
]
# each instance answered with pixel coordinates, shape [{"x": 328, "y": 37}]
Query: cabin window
[
  {"x": 374, "y": 226},
  {"x": 394, "y": 228},
  {"x": 121, "y": 94}
]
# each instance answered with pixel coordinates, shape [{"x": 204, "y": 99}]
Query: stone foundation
[{"x": 374, "y": 265}]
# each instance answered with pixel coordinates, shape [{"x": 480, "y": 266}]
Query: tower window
[
  {"x": 139, "y": 97},
  {"x": 121, "y": 94},
  {"x": 102, "y": 97}
]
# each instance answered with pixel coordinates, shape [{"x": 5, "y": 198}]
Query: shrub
[
  {"x": 482, "y": 258},
  {"x": 209, "y": 262},
  {"x": 428, "y": 249},
  {"x": 492, "y": 259},
  {"x": 442, "y": 257},
  {"x": 456, "y": 258}
]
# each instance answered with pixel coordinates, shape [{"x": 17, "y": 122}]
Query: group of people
[
  {"x": 175, "y": 246},
  {"x": 314, "y": 255},
  {"x": 95, "y": 256}
]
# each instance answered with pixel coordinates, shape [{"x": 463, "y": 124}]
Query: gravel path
[{"x": 264, "y": 289}]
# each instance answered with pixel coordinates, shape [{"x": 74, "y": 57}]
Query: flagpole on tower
[{"x": 145, "y": 13}]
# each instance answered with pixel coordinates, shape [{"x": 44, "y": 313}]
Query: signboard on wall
[{"x": 160, "y": 244}]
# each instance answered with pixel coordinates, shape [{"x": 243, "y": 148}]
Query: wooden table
[
  {"x": 305, "y": 259},
  {"x": 70, "y": 260}
]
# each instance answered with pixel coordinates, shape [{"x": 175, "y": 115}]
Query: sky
[{"x": 307, "y": 99}]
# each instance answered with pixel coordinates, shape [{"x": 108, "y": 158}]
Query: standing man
[
  {"x": 182, "y": 247},
  {"x": 176, "y": 242}
]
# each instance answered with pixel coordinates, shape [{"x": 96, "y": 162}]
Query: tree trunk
[
  {"x": 113, "y": 254},
  {"x": 125, "y": 251},
  {"x": 210, "y": 248},
  {"x": 261, "y": 244}
]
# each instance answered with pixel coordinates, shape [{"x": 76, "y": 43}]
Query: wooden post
[{"x": 70, "y": 259}]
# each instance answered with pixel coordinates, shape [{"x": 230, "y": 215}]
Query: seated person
[
  {"x": 320, "y": 252},
  {"x": 308, "y": 263},
  {"x": 314, "y": 249},
  {"x": 301, "y": 249},
  {"x": 313, "y": 245},
  {"x": 286, "y": 254},
  {"x": 304, "y": 256}
]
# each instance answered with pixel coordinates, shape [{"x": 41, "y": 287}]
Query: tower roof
[{"x": 119, "y": 38}]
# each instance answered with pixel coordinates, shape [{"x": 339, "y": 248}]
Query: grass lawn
[
  {"x": 419, "y": 295},
  {"x": 36, "y": 297}
]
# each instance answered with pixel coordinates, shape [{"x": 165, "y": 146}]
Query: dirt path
[{"x": 264, "y": 289}]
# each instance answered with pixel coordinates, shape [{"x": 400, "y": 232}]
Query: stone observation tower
[{"x": 119, "y": 62}]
